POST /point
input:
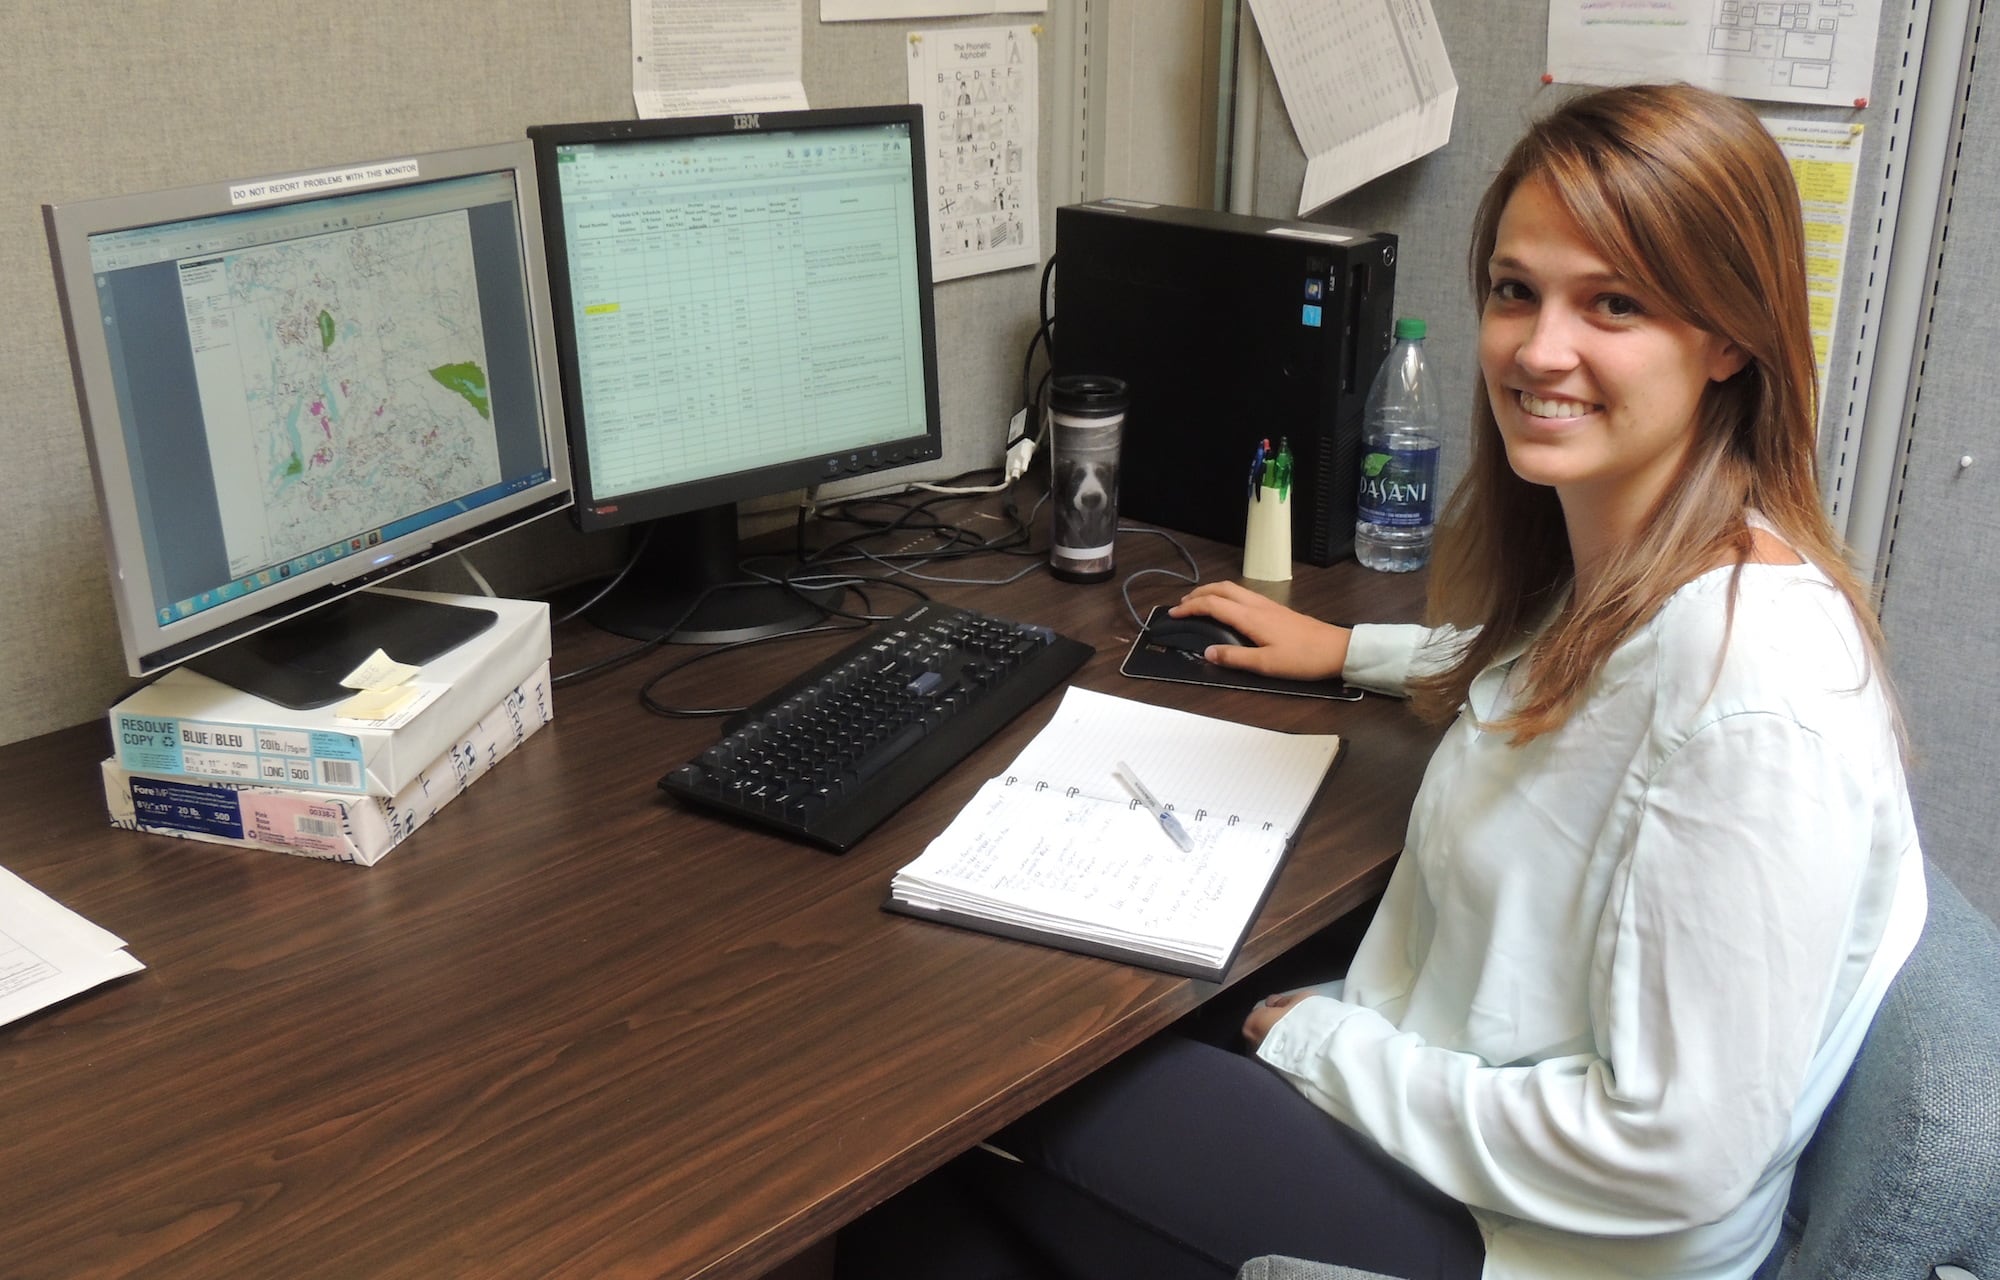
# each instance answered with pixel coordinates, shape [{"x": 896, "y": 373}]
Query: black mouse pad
[{"x": 1157, "y": 662}]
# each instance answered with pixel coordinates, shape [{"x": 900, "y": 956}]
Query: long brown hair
[{"x": 1685, "y": 193}]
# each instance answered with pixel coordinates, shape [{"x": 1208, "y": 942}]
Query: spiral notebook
[{"x": 1057, "y": 851}]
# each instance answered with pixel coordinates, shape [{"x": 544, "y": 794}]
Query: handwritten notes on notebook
[{"x": 1057, "y": 851}]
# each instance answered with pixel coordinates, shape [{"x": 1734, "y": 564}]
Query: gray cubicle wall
[
  {"x": 104, "y": 99},
  {"x": 1941, "y": 575}
]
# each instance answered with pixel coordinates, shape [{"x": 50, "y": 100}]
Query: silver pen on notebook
[{"x": 1168, "y": 822}]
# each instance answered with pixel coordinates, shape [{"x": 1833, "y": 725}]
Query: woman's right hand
[
  {"x": 1288, "y": 643},
  {"x": 1266, "y": 1014}
]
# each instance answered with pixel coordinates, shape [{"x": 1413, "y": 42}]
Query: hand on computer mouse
[
  {"x": 1283, "y": 642},
  {"x": 1192, "y": 634}
]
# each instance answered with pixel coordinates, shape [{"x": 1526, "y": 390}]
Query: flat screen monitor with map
[
  {"x": 294, "y": 387},
  {"x": 743, "y": 308}
]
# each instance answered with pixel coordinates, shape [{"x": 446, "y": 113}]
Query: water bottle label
[{"x": 1398, "y": 486}]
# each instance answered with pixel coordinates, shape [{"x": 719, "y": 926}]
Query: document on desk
[
  {"x": 1059, "y": 850},
  {"x": 48, "y": 952}
]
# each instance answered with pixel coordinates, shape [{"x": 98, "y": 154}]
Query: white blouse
[{"x": 1620, "y": 970}]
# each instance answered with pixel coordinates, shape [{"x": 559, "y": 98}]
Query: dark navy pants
[{"x": 1183, "y": 1160}]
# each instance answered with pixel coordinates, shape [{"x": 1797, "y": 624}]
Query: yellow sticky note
[
  {"x": 376, "y": 704},
  {"x": 380, "y": 671}
]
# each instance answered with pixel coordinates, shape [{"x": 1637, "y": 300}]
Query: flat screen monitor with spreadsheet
[
  {"x": 295, "y": 386},
  {"x": 743, "y": 308}
]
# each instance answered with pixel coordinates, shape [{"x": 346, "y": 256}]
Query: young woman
[{"x": 1662, "y": 865}]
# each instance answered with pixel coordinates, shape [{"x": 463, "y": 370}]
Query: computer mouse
[{"x": 1192, "y": 634}]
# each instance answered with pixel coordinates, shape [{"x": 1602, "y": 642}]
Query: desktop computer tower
[{"x": 1228, "y": 330}]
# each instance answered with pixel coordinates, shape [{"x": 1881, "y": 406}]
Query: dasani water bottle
[{"x": 1401, "y": 429}]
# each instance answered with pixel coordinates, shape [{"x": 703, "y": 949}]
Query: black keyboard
[{"x": 830, "y": 755}]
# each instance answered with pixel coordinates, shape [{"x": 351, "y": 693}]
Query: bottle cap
[{"x": 1410, "y": 327}]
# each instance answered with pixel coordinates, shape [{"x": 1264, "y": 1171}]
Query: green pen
[{"x": 1279, "y": 474}]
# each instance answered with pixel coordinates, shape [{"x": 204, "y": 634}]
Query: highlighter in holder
[{"x": 1267, "y": 534}]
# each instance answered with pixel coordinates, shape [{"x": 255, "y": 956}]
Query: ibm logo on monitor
[{"x": 748, "y": 121}]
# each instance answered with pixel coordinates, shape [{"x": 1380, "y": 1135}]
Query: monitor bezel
[
  {"x": 593, "y": 511},
  {"x": 151, "y": 646}
]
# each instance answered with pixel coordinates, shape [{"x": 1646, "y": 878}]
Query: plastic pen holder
[{"x": 1267, "y": 537}]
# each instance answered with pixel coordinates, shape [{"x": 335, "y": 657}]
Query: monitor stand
[
  {"x": 300, "y": 663},
  {"x": 695, "y": 552}
]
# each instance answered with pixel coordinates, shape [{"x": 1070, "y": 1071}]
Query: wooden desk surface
[{"x": 570, "y": 1029}]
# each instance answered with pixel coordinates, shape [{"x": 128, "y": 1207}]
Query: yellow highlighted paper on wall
[{"x": 1826, "y": 159}]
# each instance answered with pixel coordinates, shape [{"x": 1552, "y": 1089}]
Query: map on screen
[{"x": 344, "y": 379}]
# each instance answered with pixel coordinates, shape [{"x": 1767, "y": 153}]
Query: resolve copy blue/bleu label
[{"x": 272, "y": 754}]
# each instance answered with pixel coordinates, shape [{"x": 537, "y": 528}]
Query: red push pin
[
  {"x": 1548, "y": 77},
  {"x": 1861, "y": 102}
]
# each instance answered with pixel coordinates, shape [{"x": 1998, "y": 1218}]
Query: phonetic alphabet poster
[{"x": 978, "y": 88}]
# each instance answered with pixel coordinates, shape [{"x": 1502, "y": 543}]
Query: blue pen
[
  {"x": 1257, "y": 472},
  {"x": 1168, "y": 822}
]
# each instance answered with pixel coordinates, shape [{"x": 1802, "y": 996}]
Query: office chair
[{"x": 1902, "y": 1179}]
